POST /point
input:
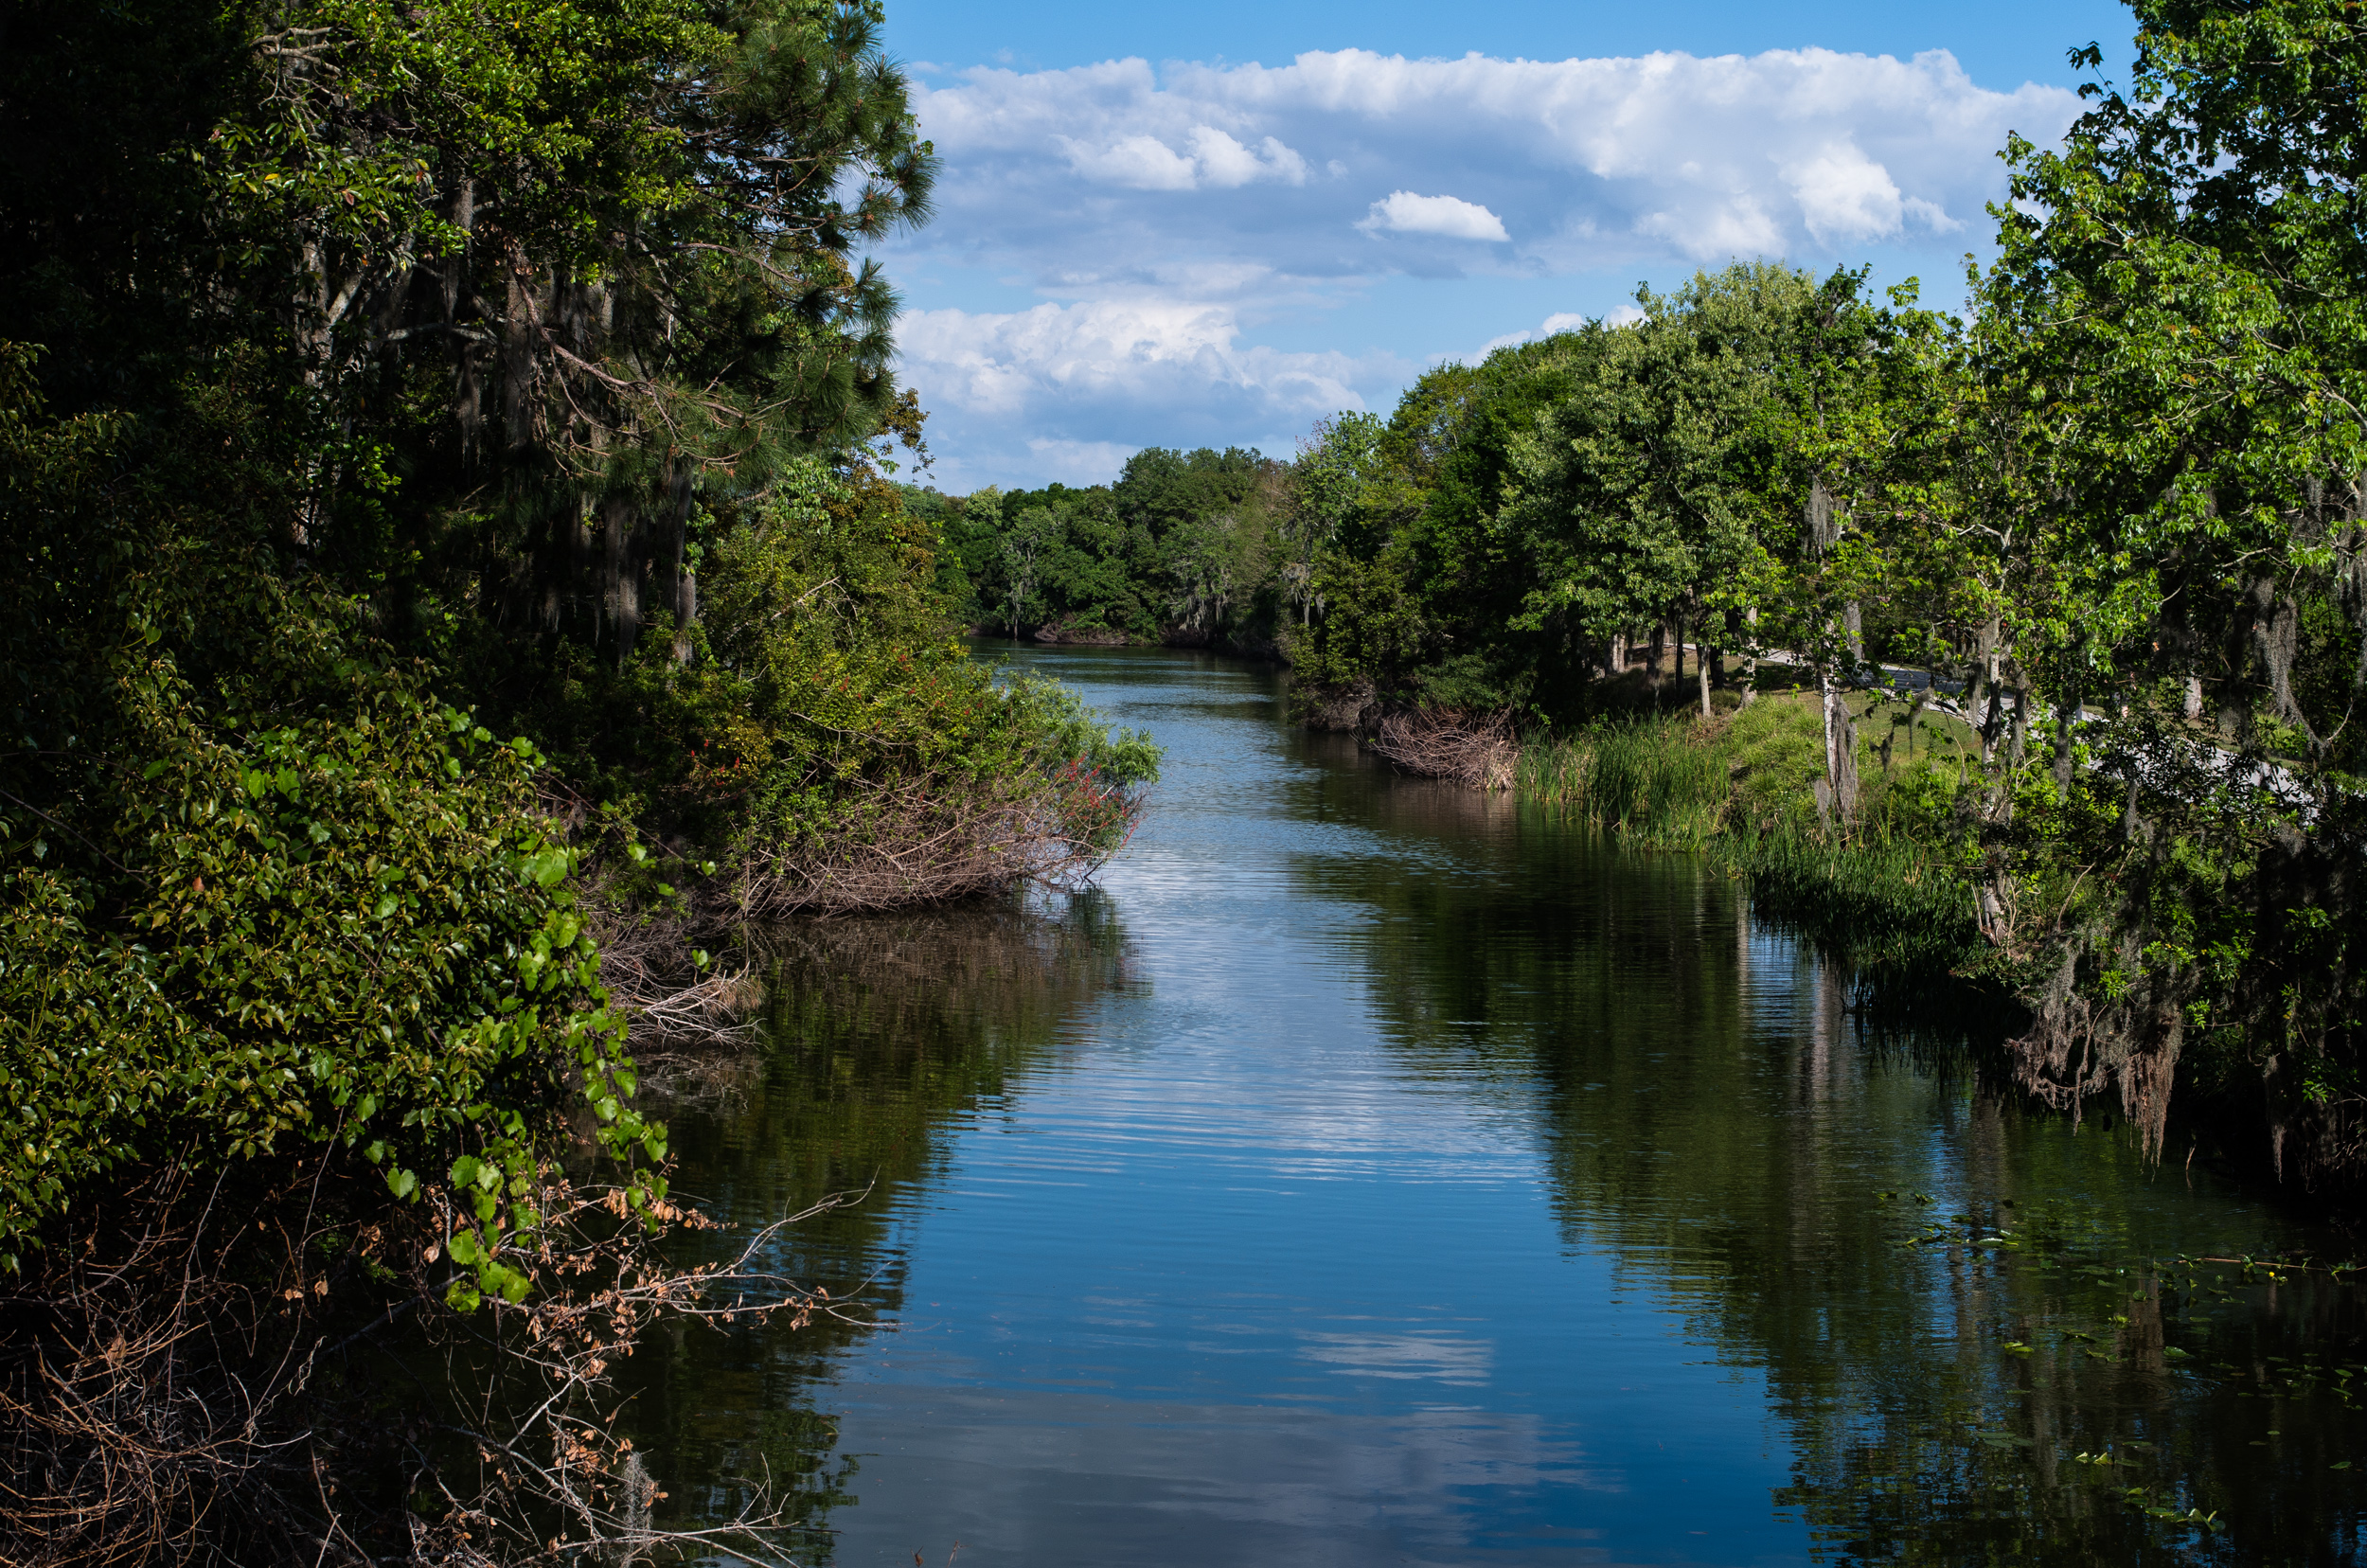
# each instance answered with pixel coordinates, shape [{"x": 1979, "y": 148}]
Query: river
[{"x": 1367, "y": 1172}]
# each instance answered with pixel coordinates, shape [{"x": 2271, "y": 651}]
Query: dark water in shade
[{"x": 1369, "y": 1172}]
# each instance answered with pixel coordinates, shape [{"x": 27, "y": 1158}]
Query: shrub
[{"x": 261, "y": 891}]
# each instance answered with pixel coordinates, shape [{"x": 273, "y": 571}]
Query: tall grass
[
  {"x": 1891, "y": 906},
  {"x": 1654, "y": 782}
]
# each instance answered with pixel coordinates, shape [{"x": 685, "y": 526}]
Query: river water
[{"x": 1366, "y": 1171}]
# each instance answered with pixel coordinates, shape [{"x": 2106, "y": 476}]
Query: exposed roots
[
  {"x": 1478, "y": 750},
  {"x": 2080, "y": 1046}
]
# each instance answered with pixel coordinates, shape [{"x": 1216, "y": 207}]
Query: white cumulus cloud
[
  {"x": 1214, "y": 160},
  {"x": 1052, "y": 383},
  {"x": 1402, "y": 212},
  {"x": 1168, "y": 218},
  {"x": 1801, "y": 153},
  {"x": 1560, "y": 321}
]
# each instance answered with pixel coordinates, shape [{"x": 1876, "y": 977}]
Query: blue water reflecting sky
[
  {"x": 1230, "y": 1285},
  {"x": 1433, "y": 1190}
]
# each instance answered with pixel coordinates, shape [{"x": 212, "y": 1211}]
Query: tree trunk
[
  {"x": 1986, "y": 685},
  {"x": 2276, "y": 637},
  {"x": 519, "y": 360},
  {"x": 1840, "y": 749},
  {"x": 2017, "y": 734},
  {"x": 467, "y": 381},
  {"x": 678, "y": 587},
  {"x": 1702, "y": 670},
  {"x": 1750, "y": 656},
  {"x": 2066, "y": 738},
  {"x": 621, "y": 575},
  {"x": 2194, "y": 699}
]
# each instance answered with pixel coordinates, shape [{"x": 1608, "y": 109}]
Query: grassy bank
[{"x": 1741, "y": 786}]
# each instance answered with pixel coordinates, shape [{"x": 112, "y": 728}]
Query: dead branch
[
  {"x": 1478, "y": 750},
  {"x": 180, "y": 1385}
]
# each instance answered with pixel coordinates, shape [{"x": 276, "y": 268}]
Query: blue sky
[{"x": 1214, "y": 225}]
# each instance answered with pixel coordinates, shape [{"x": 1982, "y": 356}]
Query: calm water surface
[{"x": 1371, "y": 1172}]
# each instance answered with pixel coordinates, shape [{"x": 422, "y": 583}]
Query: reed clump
[
  {"x": 1657, "y": 783},
  {"x": 1889, "y": 892},
  {"x": 1741, "y": 786},
  {"x": 1892, "y": 908}
]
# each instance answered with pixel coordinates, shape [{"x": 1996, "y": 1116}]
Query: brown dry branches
[
  {"x": 1478, "y": 750},
  {"x": 915, "y": 841},
  {"x": 530, "y": 1466},
  {"x": 177, "y": 1385},
  {"x": 134, "y": 1393}
]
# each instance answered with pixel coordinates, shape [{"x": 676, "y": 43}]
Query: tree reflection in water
[
  {"x": 1975, "y": 1335},
  {"x": 880, "y": 1034},
  {"x": 1942, "y": 1316}
]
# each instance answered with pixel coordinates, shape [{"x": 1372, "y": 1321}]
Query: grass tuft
[{"x": 1741, "y": 787}]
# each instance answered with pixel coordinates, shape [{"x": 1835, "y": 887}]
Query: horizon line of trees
[{"x": 1179, "y": 549}]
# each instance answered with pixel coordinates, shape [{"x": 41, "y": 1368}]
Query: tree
[
  {"x": 562, "y": 267},
  {"x": 2185, "y": 274},
  {"x": 1641, "y": 491},
  {"x": 1025, "y": 544}
]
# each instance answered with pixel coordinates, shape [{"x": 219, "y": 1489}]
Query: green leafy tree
[{"x": 265, "y": 894}]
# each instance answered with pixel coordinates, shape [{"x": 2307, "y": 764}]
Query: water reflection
[
  {"x": 1404, "y": 1178},
  {"x": 1953, "y": 1300},
  {"x": 877, "y": 1033}
]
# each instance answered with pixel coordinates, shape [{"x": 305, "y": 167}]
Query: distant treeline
[{"x": 1185, "y": 547}]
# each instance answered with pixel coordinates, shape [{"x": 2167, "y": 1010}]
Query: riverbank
[
  {"x": 1989, "y": 899},
  {"x": 1164, "y": 1181},
  {"x": 1741, "y": 784}
]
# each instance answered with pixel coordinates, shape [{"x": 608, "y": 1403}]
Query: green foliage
[
  {"x": 1372, "y": 623},
  {"x": 1186, "y": 546},
  {"x": 1888, "y": 900},
  {"x": 396, "y": 379},
  {"x": 2117, "y": 517},
  {"x": 1415, "y": 586},
  {"x": 818, "y": 677},
  {"x": 1643, "y": 491},
  {"x": 262, "y": 891},
  {"x": 1652, "y": 783}
]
